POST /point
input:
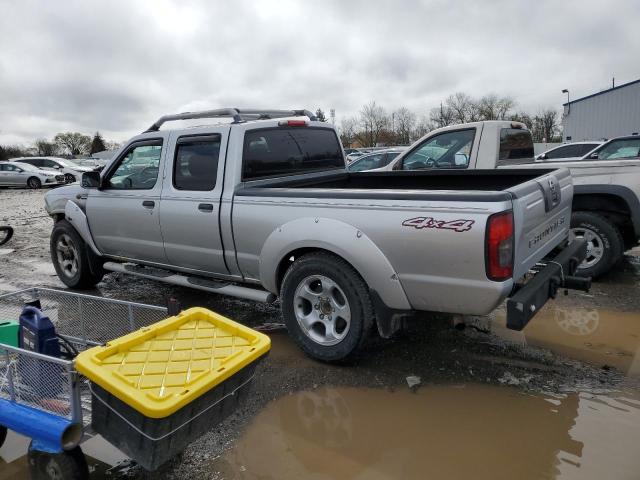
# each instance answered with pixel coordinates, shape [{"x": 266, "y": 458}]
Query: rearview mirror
[{"x": 91, "y": 180}]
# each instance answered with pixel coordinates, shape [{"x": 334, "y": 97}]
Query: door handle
[
  {"x": 205, "y": 207},
  {"x": 148, "y": 204}
]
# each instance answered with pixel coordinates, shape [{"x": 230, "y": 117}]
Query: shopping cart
[{"x": 47, "y": 399}]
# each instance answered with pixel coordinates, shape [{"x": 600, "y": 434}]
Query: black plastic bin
[{"x": 151, "y": 442}]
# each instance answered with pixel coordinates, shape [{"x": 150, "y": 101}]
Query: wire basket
[{"x": 51, "y": 384}]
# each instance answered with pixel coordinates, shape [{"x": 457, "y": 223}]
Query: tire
[
  {"x": 68, "y": 178},
  {"x": 34, "y": 183},
  {"x": 76, "y": 265},
  {"x": 335, "y": 301},
  {"x": 3, "y": 434},
  {"x": 68, "y": 465},
  {"x": 605, "y": 244}
]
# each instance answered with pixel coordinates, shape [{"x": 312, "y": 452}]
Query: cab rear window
[
  {"x": 281, "y": 151},
  {"x": 515, "y": 144}
]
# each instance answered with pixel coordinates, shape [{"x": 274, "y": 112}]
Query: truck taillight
[
  {"x": 499, "y": 248},
  {"x": 293, "y": 123}
]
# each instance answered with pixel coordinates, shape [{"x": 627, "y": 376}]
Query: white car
[
  {"x": 14, "y": 174},
  {"x": 568, "y": 151},
  {"x": 72, "y": 171}
]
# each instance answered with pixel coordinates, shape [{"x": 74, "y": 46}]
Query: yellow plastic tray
[{"x": 163, "y": 367}]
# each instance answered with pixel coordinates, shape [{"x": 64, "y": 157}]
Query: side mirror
[
  {"x": 57, "y": 167},
  {"x": 542, "y": 156},
  {"x": 593, "y": 155},
  {"x": 90, "y": 180}
]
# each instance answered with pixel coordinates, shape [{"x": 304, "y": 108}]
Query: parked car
[
  {"x": 569, "y": 151},
  {"x": 373, "y": 160},
  {"x": 14, "y": 174},
  {"x": 71, "y": 170},
  {"x": 263, "y": 207},
  {"x": 606, "y": 200}
]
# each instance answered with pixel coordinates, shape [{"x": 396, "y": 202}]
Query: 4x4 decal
[{"x": 428, "y": 222}]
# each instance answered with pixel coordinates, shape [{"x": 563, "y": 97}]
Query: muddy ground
[{"x": 582, "y": 343}]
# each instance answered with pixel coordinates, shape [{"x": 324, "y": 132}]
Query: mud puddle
[
  {"x": 593, "y": 335},
  {"x": 470, "y": 431}
]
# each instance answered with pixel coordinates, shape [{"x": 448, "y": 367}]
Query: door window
[
  {"x": 366, "y": 163},
  {"x": 46, "y": 163},
  {"x": 447, "y": 150},
  {"x": 563, "y": 152},
  {"x": 138, "y": 168},
  {"x": 624, "y": 148},
  {"x": 195, "y": 166}
]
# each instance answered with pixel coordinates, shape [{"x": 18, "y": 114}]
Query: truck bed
[{"x": 474, "y": 185}]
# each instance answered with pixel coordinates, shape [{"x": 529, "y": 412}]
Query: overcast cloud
[{"x": 114, "y": 66}]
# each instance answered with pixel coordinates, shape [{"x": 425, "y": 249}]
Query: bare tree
[
  {"x": 547, "y": 120},
  {"x": 45, "y": 148},
  {"x": 373, "y": 120},
  {"x": 347, "y": 131},
  {"x": 442, "y": 117},
  {"x": 493, "y": 107},
  {"x": 461, "y": 106},
  {"x": 73, "y": 142},
  {"x": 404, "y": 123}
]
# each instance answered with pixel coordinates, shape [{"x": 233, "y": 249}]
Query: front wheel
[
  {"x": 605, "y": 245},
  {"x": 67, "y": 465},
  {"x": 327, "y": 307},
  {"x": 34, "y": 183},
  {"x": 3, "y": 434},
  {"x": 68, "y": 178},
  {"x": 75, "y": 264}
]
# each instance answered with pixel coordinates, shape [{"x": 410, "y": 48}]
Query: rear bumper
[{"x": 557, "y": 274}]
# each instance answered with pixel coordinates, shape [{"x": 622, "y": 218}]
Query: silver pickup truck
[{"x": 261, "y": 206}]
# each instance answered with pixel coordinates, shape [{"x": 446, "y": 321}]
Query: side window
[
  {"x": 515, "y": 143},
  {"x": 138, "y": 168},
  {"x": 561, "y": 152},
  {"x": 447, "y": 150},
  {"x": 48, "y": 163},
  {"x": 629, "y": 148},
  {"x": 195, "y": 166},
  {"x": 4, "y": 168},
  {"x": 367, "y": 163},
  {"x": 585, "y": 148}
]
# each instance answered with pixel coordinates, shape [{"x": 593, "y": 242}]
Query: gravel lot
[{"x": 432, "y": 350}]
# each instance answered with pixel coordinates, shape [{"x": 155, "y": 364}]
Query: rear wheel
[
  {"x": 3, "y": 434},
  {"x": 76, "y": 266},
  {"x": 34, "y": 183},
  {"x": 327, "y": 307},
  {"x": 605, "y": 245}
]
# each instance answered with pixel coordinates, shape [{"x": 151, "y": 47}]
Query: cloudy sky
[{"x": 114, "y": 66}]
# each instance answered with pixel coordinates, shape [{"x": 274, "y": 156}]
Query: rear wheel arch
[{"x": 305, "y": 235}]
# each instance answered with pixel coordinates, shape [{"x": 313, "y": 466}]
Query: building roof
[{"x": 602, "y": 92}]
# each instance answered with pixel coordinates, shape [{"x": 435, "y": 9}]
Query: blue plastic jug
[{"x": 37, "y": 332}]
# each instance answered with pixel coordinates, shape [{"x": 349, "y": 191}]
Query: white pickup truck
[
  {"x": 260, "y": 205},
  {"x": 606, "y": 200}
]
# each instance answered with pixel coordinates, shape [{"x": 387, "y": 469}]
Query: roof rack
[{"x": 237, "y": 114}]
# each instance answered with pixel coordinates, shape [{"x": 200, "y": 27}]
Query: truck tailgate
[{"x": 542, "y": 216}]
